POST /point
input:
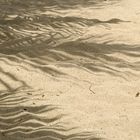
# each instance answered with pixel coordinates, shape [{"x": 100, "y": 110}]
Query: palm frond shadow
[
  {"x": 27, "y": 6},
  {"x": 91, "y": 56},
  {"x": 9, "y": 76},
  {"x": 43, "y": 40},
  {"x": 19, "y": 121},
  {"x": 97, "y": 56}
]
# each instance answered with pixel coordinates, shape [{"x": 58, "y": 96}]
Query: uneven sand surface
[{"x": 66, "y": 76}]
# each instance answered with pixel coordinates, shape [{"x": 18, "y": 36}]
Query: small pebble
[{"x": 138, "y": 94}]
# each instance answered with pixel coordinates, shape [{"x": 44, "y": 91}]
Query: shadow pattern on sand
[
  {"x": 45, "y": 40},
  {"x": 28, "y": 6},
  {"x": 19, "y": 121},
  {"x": 39, "y": 40}
]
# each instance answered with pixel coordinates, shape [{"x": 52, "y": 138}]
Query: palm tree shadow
[
  {"x": 19, "y": 120},
  {"x": 27, "y": 6},
  {"x": 97, "y": 57},
  {"x": 91, "y": 56},
  {"x": 43, "y": 40},
  {"x": 54, "y": 45},
  {"x": 10, "y": 76}
]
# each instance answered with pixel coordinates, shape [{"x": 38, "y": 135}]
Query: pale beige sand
[
  {"x": 89, "y": 79},
  {"x": 112, "y": 111}
]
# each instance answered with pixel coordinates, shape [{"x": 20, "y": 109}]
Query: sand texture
[{"x": 70, "y": 70}]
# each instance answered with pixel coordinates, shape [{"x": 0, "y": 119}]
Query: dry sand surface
[{"x": 65, "y": 77}]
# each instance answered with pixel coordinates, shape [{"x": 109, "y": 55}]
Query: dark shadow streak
[{"x": 18, "y": 122}]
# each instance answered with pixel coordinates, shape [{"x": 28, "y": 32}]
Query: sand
[{"x": 77, "y": 81}]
